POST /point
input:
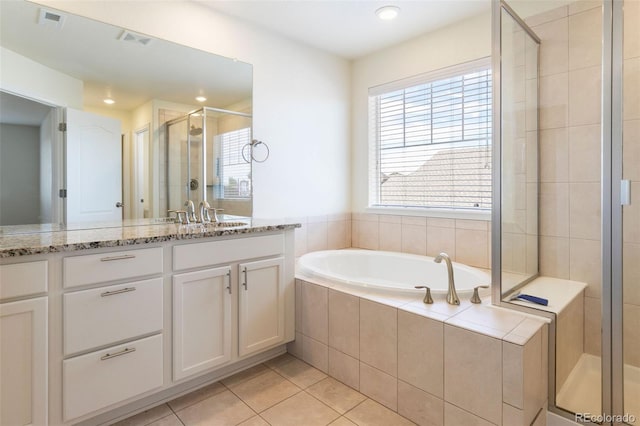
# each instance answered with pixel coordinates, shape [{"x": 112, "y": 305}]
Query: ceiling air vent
[
  {"x": 51, "y": 19},
  {"x": 130, "y": 37}
]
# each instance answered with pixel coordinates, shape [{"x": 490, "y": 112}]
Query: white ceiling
[
  {"x": 128, "y": 72},
  {"x": 349, "y": 28}
]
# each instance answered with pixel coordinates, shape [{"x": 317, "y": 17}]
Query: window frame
[{"x": 373, "y": 146}]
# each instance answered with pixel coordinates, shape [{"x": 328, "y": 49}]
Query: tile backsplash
[{"x": 465, "y": 241}]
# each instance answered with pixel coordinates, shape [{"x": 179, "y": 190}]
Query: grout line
[{"x": 175, "y": 414}]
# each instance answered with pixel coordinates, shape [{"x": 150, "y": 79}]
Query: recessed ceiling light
[
  {"x": 387, "y": 13},
  {"x": 109, "y": 101},
  {"x": 200, "y": 98}
]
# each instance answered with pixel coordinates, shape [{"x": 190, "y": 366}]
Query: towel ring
[{"x": 251, "y": 157}]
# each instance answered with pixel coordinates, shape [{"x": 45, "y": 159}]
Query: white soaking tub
[{"x": 388, "y": 271}]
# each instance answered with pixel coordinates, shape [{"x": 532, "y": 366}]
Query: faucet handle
[
  {"x": 427, "y": 297},
  {"x": 476, "y": 297},
  {"x": 183, "y": 217},
  {"x": 215, "y": 211}
]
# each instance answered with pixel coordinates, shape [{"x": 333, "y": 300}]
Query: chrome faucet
[
  {"x": 452, "y": 296},
  {"x": 191, "y": 211},
  {"x": 204, "y": 208}
]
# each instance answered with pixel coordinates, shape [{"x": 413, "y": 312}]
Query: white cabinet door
[
  {"x": 201, "y": 321},
  {"x": 261, "y": 305},
  {"x": 23, "y": 362}
]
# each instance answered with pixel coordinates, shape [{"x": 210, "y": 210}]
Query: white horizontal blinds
[
  {"x": 433, "y": 142},
  {"x": 235, "y": 171}
]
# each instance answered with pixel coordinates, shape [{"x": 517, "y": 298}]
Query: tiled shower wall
[{"x": 570, "y": 99}]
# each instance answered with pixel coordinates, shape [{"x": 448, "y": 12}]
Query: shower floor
[{"x": 581, "y": 392}]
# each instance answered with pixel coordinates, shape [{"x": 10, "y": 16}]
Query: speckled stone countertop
[{"x": 39, "y": 242}]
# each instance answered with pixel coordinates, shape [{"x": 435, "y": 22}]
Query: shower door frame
[{"x": 612, "y": 215}]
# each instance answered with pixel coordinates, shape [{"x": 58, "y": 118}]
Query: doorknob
[{"x": 119, "y": 204}]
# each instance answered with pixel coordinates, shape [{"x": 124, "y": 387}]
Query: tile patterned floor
[{"x": 284, "y": 391}]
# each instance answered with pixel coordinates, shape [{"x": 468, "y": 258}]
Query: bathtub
[{"x": 388, "y": 271}]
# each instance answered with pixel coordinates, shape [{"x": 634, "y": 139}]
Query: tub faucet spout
[{"x": 452, "y": 296}]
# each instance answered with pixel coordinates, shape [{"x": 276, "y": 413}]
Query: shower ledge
[{"x": 559, "y": 292}]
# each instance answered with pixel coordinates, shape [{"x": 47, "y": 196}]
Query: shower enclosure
[
  {"x": 567, "y": 180},
  {"x": 207, "y": 160}
]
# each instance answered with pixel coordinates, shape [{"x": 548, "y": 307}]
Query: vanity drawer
[
  {"x": 105, "y": 315},
  {"x": 23, "y": 279},
  {"x": 217, "y": 252},
  {"x": 98, "y": 379},
  {"x": 97, "y": 268}
]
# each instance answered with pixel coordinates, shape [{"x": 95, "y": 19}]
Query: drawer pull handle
[
  {"x": 115, "y": 354},
  {"x": 122, "y": 257},
  {"x": 114, "y": 292}
]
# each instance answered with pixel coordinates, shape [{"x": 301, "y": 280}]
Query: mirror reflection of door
[
  {"x": 28, "y": 161},
  {"x": 141, "y": 161},
  {"x": 93, "y": 168}
]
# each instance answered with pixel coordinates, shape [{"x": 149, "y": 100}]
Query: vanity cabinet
[
  {"x": 93, "y": 336},
  {"x": 23, "y": 344},
  {"x": 202, "y": 327},
  {"x": 215, "y": 307},
  {"x": 261, "y": 305},
  {"x": 114, "y": 322}
]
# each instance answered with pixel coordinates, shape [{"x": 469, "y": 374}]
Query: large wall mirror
[{"x": 150, "y": 124}]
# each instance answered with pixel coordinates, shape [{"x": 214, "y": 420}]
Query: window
[
  {"x": 233, "y": 171},
  {"x": 430, "y": 140}
]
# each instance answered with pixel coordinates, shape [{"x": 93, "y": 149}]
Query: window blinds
[
  {"x": 431, "y": 140},
  {"x": 235, "y": 171}
]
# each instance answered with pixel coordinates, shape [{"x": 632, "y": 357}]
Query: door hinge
[
  {"x": 62, "y": 193},
  {"x": 62, "y": 127}
]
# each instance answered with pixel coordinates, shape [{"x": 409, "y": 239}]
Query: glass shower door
[{"x": 630, "y": 194}]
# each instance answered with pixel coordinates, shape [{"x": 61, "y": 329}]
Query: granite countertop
[{"x": 41, "y": 242}]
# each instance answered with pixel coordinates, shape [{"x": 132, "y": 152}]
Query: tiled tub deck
[{"x": 434, "y": 364}]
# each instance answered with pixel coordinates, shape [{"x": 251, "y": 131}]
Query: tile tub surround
[
  {"x": 71, "y": 240},
  {"x": 433, "y": 364},
  {"x": 466, "y": 241}
]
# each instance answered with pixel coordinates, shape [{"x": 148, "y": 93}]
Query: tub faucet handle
[
  {"x": 476, "y": 297},
  {"x": 427, "y": 297}
]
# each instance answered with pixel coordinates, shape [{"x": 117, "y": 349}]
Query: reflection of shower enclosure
[{"x": 205, "y": 161}]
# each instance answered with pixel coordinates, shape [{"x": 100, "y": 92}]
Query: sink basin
[{"x": 229, "y": 224}]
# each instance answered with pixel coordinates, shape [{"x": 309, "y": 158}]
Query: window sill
[{"x": 431, "y": 212}]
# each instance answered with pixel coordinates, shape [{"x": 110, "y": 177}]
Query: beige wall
[
  {"x": 461, "y": 42},
  {"x": 570, "y": 84}
]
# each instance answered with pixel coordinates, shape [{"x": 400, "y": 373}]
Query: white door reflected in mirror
[{"x": 94, "y": 167}]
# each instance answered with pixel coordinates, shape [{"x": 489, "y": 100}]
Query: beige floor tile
[
  {"x": 146, "y": 417},
  {"x": 370, "y": 413},
  {"x": 301, "y": 409},
  {"x": 222, "y": 409},
  {"x": 279, "y": 360},
  {"x": 336, "y": 395},
  {"x": 245, "y": 375},
  {"x": 255, "y": 421},
  {"x": 342, "y": 421},
  {"x": 196, "y": 396},
  {"x": 300, "y": 373},
  {"x": 171, "y": 420},
  {"x": 265, "y": 390}
]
